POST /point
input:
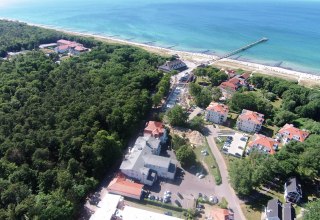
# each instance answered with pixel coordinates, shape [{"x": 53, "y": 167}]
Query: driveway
[{"x": 225, "y": 189}]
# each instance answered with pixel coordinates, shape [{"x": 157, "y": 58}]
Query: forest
[
  {"x": 16, "y": 36},
  {"x": 63, "y": 126}
]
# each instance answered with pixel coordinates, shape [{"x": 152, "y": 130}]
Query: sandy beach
[{"x": 306, "y": 79}]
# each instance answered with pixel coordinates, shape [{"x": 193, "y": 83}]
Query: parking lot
[
  {"x": 185, "y": 188},
  {"x": 235, "y": 144}
]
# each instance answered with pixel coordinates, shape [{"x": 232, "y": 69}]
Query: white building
[
  {"x": 250, "y": 121},
  {"x": 131, "y": 213},
  {"x": 217, "y": 113},
  {"x": 288, "y": 132},
  {"x": 143, "y": 164}
]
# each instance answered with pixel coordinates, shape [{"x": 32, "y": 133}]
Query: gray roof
[
  {"x": 157, "y": 161},
  {"x": 288, "y": 212},
  {"x": 143, "y": 146},
  {"x": 292, "y": 185},
  {"x": 274, "y": 209}
]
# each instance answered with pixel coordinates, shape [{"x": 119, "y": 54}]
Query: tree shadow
[
  {"x": 256, "y": 201},
  {"x": 266, "y": 131}
]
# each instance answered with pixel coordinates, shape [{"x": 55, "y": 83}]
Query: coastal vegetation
[
  {"x": 64, "y": 126},
  {"x": 17, "y": 36}
]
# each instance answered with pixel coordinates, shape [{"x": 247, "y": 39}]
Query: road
[{"x": 225, "y": 189}]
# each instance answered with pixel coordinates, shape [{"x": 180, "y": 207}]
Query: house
[
  {"x": 274, "y": 210},
  {"x": 107, "y": 207},
  {"x": 220, "y": 214},
  {"x": 217, "y": 113},
  {"x": 143, "y": 164},
  {"x": 72, "y": 47},
  {"x": 250, "y": 121},
  {"x": 124, "y": 187},
  {"x": 263, "y": 144},
  {"x": 292, "y": 191},
  {"x": 288, "y": 133},
  {"x": 235, "y": 82},
  {"x": 288, "y": 212},
  {"x": 176, "y": 64},
  {"x": 156, "y": 130}
]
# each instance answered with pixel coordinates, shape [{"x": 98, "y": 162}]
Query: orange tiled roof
[
  {"x": 219, "y": 214},
  {"x": 289, "y": 130},
  {"x": 122, "y": 185},
  {"x": 266, "y": 142},
  {"x": 248, "y": 115},
  {"x": 228, "y": 85},
  {"x": 154, "y": 128},
  {"x": 217, "y": 107},
  {"x": 245, "y": 75}
]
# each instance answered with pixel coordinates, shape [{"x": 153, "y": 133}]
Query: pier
[{"x": 264, "y": 39}]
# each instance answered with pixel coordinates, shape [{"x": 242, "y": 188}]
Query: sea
[{"x": 205, "y": 26}]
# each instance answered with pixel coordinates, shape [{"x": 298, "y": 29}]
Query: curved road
[{"x": 225, "y": 189}]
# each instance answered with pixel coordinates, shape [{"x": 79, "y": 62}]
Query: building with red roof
[
  {"x": 234, "y": 83},
  {"x": 156, "y": 130},
  {"x": 70, "y": 47},
  {"x": 288, "y": 133},
  {"x": 220, "y": 214},
  {"x": 263, "y": 144},
  {"x": 217, "y": 113},
  {"x": 124, "y": 187},
  {"x": 250, "y": 121}
]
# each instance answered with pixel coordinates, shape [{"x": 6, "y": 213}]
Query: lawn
[
  {"x": 209, "y": 162},
  {"x": 142, "y": 204}
]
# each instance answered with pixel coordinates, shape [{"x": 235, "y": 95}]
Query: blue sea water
[{"x": 293, "y": 28}]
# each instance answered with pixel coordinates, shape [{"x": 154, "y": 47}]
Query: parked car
[
  {"x": 151, "y": 197},
  {"x": 200, "y": 206},
  {"x": 201, "y": 176},
  {"x": 200, "y": 195},
  {"x": 166, "y": 200},
  {"x": 198, "y": 174},
  {"x": 168, "y": 213},
  {"x": 214, "y": 200},
  {"x": 167, "y": 192}
]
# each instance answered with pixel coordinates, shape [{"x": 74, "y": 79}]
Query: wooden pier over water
[{"x": 264, "y": 39}]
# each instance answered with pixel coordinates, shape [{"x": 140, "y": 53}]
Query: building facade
[
  {"x": 289, "y": 133},
  {"x": 250, "y": 121},
  {"x": 217, "y": 113},
  {"x": 262, "y": 144}
]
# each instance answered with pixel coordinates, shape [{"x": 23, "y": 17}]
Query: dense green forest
[
  {"x": 19, "y": 36},
  {"x": 63, "y": 126}
]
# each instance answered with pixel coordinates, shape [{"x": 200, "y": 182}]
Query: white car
[
  {"x": 167, "y": 192},
  {"x": 201, "y": 176}
]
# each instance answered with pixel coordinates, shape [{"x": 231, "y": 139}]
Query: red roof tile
[
  {"x": 228, "y": 85},
  {"x": 123, "y": 186},
  {"x": 266, "y": 142},
  {"x": 220, "y": 214},
  {"x": 290, "y": 131},
  {"x": 248, "y": 115},
  {"x": 217, "y": 107},
  {"x": 156, "y": 129}
]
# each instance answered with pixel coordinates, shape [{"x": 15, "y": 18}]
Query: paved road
[{"x": 225, "y": 189}]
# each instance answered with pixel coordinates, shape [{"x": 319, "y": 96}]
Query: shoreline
[{"x": 197, "y": 58}]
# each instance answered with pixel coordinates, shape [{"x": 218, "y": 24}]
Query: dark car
[{"x": 168, "y": 213}]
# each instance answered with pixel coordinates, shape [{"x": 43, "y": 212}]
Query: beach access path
[{"x": 224, "y": 190}]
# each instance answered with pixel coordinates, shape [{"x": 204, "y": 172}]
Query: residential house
[
  {"x": 233, "y": 84},
  {"x": 250, "y": 121},
  {"x": 107, "y": 208},
  {"x": 124, "y": 187},
  {"x": 220, "y": 214},
  {"x": 288, "y": 212},
  {"x": 292, "y": 190},
  {"x": 143, "y": 164},
  {"x": 176, "y": 64},
  {"x": 263, "y": 144},
  {"x": 288, "y": 133},
  {"x": 72, "y": 47},
  {"x": 274, "y": 210},
  {"x": 156, "y": 130},
  {"x": 217, "y": 113}
]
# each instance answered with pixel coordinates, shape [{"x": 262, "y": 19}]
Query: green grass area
[
  {"x": 156, "y": 207},
  {"x": 210, "y": 163},
  {"x": 269, "y": 130},
  {"x": 203, "y": 80}
]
